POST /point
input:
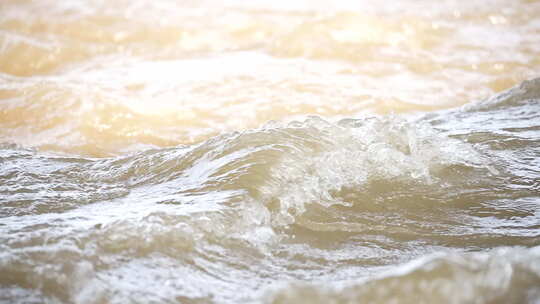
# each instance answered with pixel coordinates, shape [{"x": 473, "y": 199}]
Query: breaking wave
[{"x": 296, "y": 201}]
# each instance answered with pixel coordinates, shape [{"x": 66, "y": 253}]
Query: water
[{"x": 269, "y": 152}]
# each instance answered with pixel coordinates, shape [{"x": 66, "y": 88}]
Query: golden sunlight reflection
[{"x": 107, "y": 78}]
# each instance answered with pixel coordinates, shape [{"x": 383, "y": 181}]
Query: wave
[
  {"x": 287, "y": 200},
  {"x": 503, "y": 275}
]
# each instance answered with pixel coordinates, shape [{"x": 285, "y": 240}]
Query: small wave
[
  {"x": 506, "y": 275},
  {"x": 526, "y": 92}
]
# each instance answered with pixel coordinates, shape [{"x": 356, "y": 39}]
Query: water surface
[{"x": 269, "y": 152}]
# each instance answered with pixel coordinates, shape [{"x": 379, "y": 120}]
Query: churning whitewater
[{"x": 444, "y": 205}]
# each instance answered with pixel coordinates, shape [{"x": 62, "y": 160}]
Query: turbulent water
[{"x": 269, "y": 152}]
